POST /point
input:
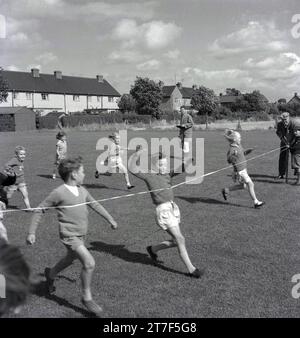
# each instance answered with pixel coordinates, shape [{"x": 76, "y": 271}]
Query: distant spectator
[
  {"x": 285, "y": 133},
  {"x": 61, "y": 150},
  {"x": 61, "y": 121},
  {"x": 295, "y": 151}
]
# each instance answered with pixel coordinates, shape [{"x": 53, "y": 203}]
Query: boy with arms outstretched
[
  {"x": 167, "y": 211},
  {"x": 71, "y": 201}
]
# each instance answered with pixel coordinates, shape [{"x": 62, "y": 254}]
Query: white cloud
[
  {"x": 152, "y": 35},
  {"x": 282, "y": 66},
  {"x": 172, "y": 54},
  {"x": 67, "y": 10},
  {"x": 128, "y": 56},
  {"x": 13, "y": 68},
  {"x": 46, "y": 58},
  {"x": 159, "y": 34},
  {"x": 221, "y": 75},
  {"x": 19, "y": 38},
  {"x": 31, "y": 66},
  {"x": 149, "y": 65},
  {"x": 255, "y": 37}
]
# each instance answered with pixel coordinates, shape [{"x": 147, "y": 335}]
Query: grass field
[{"x": 249, "y": 255}]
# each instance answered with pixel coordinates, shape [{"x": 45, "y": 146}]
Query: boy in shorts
[
  {"x": 16, "y": 164},
  {"x": 236, "y": 157},
  {"x": 6, "y": 179},
  {"x": 70, "y": 200},
  {"x": 167, "y": 211}
]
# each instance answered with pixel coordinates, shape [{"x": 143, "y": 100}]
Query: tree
[
  {"x": 3, "y": 87},
  {"x": 148, "y": 96},
  {"x": 257, "y": 101},
  {"x": 127, "y": 103},
  {"x": 204, "y": 100}
]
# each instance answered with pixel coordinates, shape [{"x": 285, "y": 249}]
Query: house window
[
  {"x": 28, "y": 96},
  {"x": 76, "y": 98},
  {"x": 98, "y": 98},
  {"x": 110, "y": 99},
  {"x": 15, "y": 95},
  {"x": 89, "y": 99},
  {"x": 45, "y": 97}
]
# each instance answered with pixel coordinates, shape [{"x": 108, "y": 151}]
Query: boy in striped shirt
[{"x": 71, "y": 200}]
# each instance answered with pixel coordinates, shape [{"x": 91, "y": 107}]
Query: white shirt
[{"x": 73, "y": 189}]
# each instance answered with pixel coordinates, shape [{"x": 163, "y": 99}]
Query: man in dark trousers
[{"x": 285, "y": 133}]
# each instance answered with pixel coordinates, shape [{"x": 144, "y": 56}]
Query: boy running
[
  {"x": 167, "y": 211},
  {"x": 16, "y": 165},
  {"x": 73, "y": 226},
  {"x": 236, "y": 157}
]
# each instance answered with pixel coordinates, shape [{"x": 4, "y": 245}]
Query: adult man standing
[
  {"x": 185, "y": 132},
  {"x": 285, "y": 133}
]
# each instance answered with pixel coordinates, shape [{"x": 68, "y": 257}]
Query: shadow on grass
[
  {"x": 100, "y": 186},
  {"x": 208, "y": 200},
  {"x": 39, "y": 289},
  {"x": 120, "y": 251},
  {"x": 61, "y": 277}
]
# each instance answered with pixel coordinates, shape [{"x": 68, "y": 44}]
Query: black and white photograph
[{"x": 149, "y": 162}]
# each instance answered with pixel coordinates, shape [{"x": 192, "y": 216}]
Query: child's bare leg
[
  {"x": 88, "y": 266},
  {"x": 62, "y": 264},
  {"x": 180, "y": 243},
  {"x": 3, "y": 232},
  {"x": 250, "y": 188},
  {"x": 24, "y": 193},
  {"x": 163, "y": 246},
  {"x": 123, "y": 170}
]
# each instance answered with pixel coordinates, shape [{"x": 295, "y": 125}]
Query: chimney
[
  {"x": 35, "y": 72},
  {"x": 194, "y": 87},
  {"x": 296, "y": 94},
  {"x": 99, "y": 78},
  {"x": 58, "y": 74},
  {"x": 179, "y": 85}
]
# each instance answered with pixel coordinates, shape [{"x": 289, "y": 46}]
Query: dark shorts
[
  {"x": 72, "y": 243},
  {"x": 295, "y": 161}
]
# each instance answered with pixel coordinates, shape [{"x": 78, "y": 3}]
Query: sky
[{"x": 243, "y": 44}]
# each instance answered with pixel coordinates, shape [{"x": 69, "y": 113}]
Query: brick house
[{"x": 176, "y": 96}]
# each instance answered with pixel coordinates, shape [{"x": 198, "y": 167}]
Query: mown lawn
[{"x": 249, "y": 255}]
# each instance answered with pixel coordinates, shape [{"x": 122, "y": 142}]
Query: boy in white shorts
[
  {"x": 114, "y": 159},
  {"x": 167, "y": 211},
  {"x": 236, "y": 157}
]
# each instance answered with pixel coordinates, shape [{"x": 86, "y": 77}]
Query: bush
[{"x": 82, "y": 119}]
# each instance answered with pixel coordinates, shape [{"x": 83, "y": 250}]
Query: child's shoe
[
  {"x": 130, "y": 187},
  {"x": 49, "y": 281},
  {"x": 92, "y": 306},
  {"x": 258, "y": 205},
  {"x": 196, "y": 273},
  {"x": 225, "y": 193},
  {"x": 53, "y": 176},
  {"x": 96, "y": 174},
  {"x": 151, "y": 253},
  {"x": 297, "y": 180}
]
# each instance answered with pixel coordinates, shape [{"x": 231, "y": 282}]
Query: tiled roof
[
  {"x": 47, "y": 83},
  {"x": 186, "y": 92},
  {"x": 12, "y": 110}
]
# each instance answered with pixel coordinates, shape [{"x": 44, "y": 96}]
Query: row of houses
[{"x": 57, "y": 92}]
